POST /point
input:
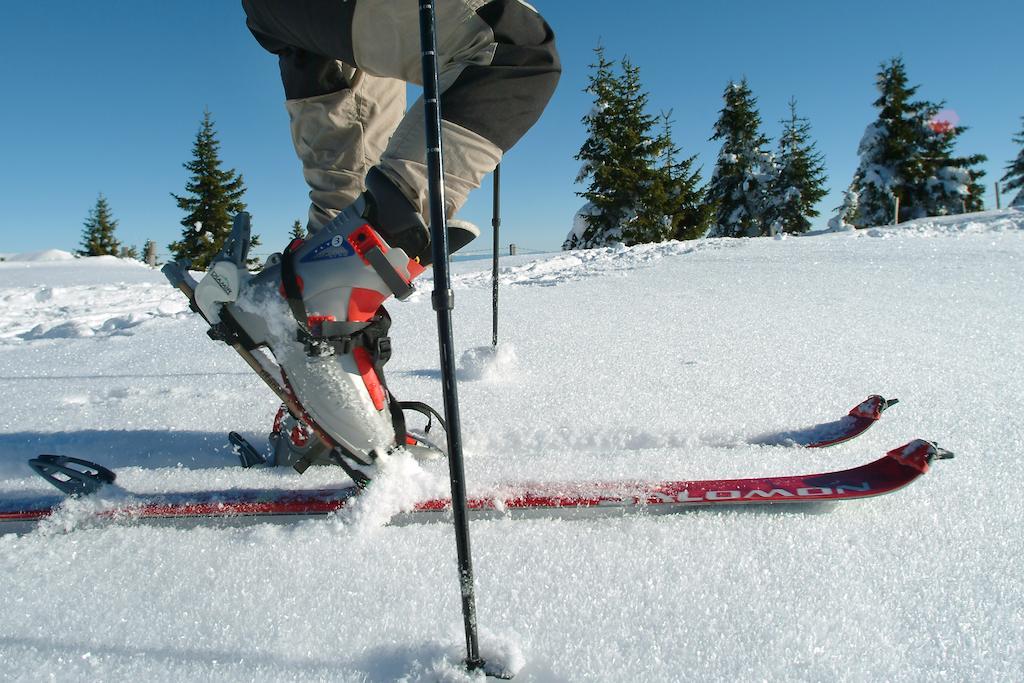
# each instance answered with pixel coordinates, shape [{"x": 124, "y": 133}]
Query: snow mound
[
  {"x": 45, "y": 256},
  {"x": 400, "y": 483},
  {"x": 488, "y": 363},
  {"x": 581, "y": 264},
  {"x": 998, "y": 221},
  {"x": 48, "y": 312}
]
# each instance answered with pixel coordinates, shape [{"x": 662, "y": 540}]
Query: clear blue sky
[{"x": 107, "y": 96}]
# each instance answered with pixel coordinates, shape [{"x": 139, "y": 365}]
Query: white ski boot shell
[{"x": 318, "y": 308}]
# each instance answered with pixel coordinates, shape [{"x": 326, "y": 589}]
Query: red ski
[
  {"x": 860, "y": 418},
  {"x": 895, "y": 470}
]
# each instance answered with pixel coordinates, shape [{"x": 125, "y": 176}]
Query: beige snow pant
[{"x": 345, "y": 65}]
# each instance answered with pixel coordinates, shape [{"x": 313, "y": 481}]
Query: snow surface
[
  {"x": 44, "y": 256},
  {"x": 660, "y": 361}
]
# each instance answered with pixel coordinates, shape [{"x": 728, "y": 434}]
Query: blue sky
[{"x": 107, "y": 96}]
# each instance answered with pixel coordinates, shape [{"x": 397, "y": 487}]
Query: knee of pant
[
  {"x": 523, "y": 38},
  {"x": 305, "y": 74},
  {"x": 502, "y": 99}
]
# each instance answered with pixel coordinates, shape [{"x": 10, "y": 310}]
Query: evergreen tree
[
  {"x": 298, "y": 232},
  {"x": 890, "y": 163},
  {"x": 618, "y": 161},
  {"x": 1014, "y": 178},
  {"x": 131, "y": 252},
  {"x": 597, "y": 219},
  {"x": 677, "y": 195},
  {"x": 98, "y": 235},
  {"x": 907, "y": 154},
  {"x": 739, "y": 183},
  {"x": 951, "y": 184},
  {"x": 799, "y": 181},
  {"x": 213, "y": 197}
]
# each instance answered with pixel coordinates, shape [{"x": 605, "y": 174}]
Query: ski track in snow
[{"x": 661, "y": 361}]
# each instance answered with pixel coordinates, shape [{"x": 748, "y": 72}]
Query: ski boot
[
  {"x": 293, "y": 443},
  {"x": 318, "y": 308}
]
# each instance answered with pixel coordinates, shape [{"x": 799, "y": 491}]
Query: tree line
[{"x": 639, "y": 187}]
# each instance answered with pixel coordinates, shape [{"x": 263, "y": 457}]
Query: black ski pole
[
  {"x": 496, "y": 224},
  {"x": 443, "y": 302}
]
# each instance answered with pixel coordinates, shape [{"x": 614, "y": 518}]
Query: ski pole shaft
[
  {"x": 443, "y": 302},
  {"x": 496, "y": 225}
]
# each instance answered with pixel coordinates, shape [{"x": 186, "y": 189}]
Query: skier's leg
[
  {"x": 340, "y": 136},
  {"x": 341, "y": 119},
  {"x": 500, "y": 56},
  {"x": 498, "y": 69}
]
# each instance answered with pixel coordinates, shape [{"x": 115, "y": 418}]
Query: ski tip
[
  {"x": 872, "y": 407},
  {"x": 919, "y": 454}
]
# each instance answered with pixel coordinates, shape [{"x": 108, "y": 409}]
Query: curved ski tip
[
  {"x": 872, "y": 407},
  {"x": 919, "y": 454}
]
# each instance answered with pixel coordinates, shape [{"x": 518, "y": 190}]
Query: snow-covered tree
[
  {"x": 799, "y": 180},
  {"x": 98, "y": 234},
  {"x": 1014, "y": 178},
  {"x": 845, "y": 212},
  {"x": 213, "y": 196},
  {"x": 907, "y": 154},
  {"x": 617, "y": 160},
  {"x": 740, "y": 180},
  {"x": 890, "y": 159},
  {"x": 951, "y": 184}
]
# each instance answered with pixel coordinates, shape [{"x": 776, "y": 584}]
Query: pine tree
[
  {"x": 131, "y": 252},
  {"x": 298, "y": 232},
  {"x": 677, "y": 194},
  {"x": 597, "y": 222},
  {"x": 951, "y": 184},
  {"x": 214, "y": 196},
  {"x": 98, "y": 235},
  {"x": 907, "y": 154},
  {"x": 1014, "y": 178},
  {"x": 646, "y": 187},
  {"x": 799, "y": 180},
  {"x": 739, "y": 182},
  {"x": 890, "y": 163},
  {"x": 618, "y": 161}
]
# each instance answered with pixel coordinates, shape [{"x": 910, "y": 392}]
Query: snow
[
  {"x": 40, "y": 256},
  {"x": 659, "y": 361}
]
